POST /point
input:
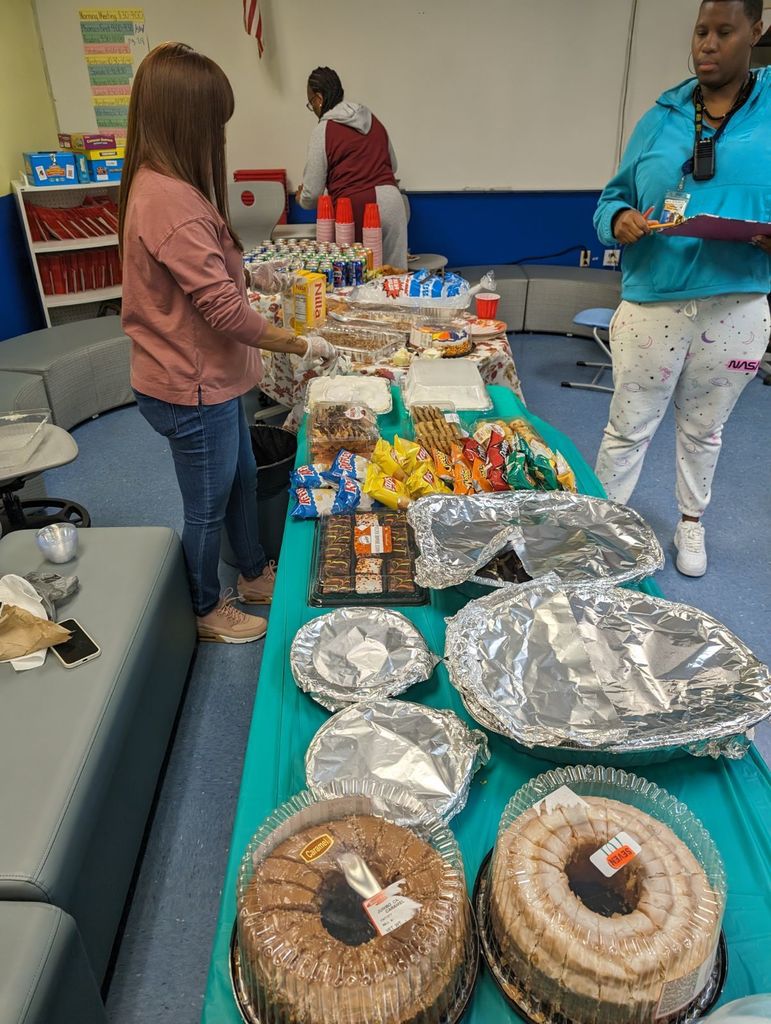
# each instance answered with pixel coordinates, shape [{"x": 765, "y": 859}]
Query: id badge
[{"x": 675, "y": 205}]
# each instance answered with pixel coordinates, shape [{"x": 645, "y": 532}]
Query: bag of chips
[
  {"x": 311, "y": 477},
  {"x": 348, "y": 464},
  {"x": 410, "y": 454},
  {"x": 423, "y": 480},
  {"x": 386, "y": 458},
  {"x": 386, "y": 489}
]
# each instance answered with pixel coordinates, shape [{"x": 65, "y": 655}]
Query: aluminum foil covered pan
[
  {"x": 357, "y": 654},
  {"x": 575, "y": 536},
  {"x": 431, "y": 755},
  {"x": 604, "y": 670}
]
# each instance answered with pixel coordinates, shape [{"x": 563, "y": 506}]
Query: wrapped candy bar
[{"x": 386, "y": 489}]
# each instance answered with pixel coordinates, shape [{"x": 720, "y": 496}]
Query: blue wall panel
[
  {"x": 20, "y": 310},
  {"x": 498, "y": 227}
]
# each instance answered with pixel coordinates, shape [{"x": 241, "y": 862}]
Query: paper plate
[{"x": 487, "y": 328}]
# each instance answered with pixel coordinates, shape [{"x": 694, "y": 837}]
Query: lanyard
[{"x": 702, "y": 164}]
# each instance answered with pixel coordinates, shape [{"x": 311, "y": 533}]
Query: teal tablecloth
[{"x": 733, "y": 799}]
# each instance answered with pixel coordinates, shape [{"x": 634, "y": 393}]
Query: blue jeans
[{"x": 217, "y": 475}]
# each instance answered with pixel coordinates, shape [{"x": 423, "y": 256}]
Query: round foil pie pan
[
  {"x": 249, "y": 1014},
  {"x": 531, "y": 1009}
]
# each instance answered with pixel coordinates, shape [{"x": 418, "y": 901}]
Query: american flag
[{"x": 253, "y": 22}]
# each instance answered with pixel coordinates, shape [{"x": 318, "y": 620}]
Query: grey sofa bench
[
  {"x": 45, "y": 977},
  {"x": 84, "y": 367},
  {"x": 81, "y": 750}
]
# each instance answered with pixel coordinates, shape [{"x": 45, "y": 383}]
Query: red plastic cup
[
  {"x": 487, "y": 305},
  {"x": 325, "y": 209},
  {"x": 371, "y": 216},
  {"x": 344, "y": 211}
]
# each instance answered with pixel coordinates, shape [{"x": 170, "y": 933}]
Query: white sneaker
[{"x": 691, "y": 549}]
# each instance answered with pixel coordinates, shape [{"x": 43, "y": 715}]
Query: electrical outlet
[
  {"x": 586, "y": 258},
  {"x": 611, "y": 258}
]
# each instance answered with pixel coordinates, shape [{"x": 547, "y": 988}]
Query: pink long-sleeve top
[{"x": 185, "y": 306}]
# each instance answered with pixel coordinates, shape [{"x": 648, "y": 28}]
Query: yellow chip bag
[
  {"x": 386, "y": 458},
  {"x": 410, "y": 454},
  {"x": 424, "y": 481},
  {"x": 385, "y": 489}
]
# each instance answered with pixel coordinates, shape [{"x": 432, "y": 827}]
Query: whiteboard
[{"x": 510, "y": 94}]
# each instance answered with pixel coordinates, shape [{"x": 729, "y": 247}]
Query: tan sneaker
[
  {"x": 228, "y": 625},
  {"x": 259, "y": 591}
]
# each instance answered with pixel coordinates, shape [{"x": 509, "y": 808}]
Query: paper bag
[{"x": 23, "y": 633}]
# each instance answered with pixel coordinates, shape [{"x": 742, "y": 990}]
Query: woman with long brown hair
[{"x": 195, "y": 339}]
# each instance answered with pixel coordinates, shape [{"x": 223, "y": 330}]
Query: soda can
[
  {"x": 358, "y": 270},
  {"x": 325, "y": 268},
  {"x": 338, "y": 273}
]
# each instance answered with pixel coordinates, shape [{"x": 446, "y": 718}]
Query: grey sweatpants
[
  {"x": 393, "y": 219},
  {"x": 704, "y": 352}
]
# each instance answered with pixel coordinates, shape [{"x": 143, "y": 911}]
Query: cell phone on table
[{"x": 79, "y": 649}]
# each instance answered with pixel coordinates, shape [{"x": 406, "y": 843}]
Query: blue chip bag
[
  {"x": 347, "y": 464},
  {"x": 348, "y": 497},
  {"x": 313, "y": 503},
  {"x": 311, "y": 476}
]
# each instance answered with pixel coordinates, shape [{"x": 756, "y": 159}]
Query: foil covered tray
[
  {"x": 430, "y": 754},
  {"x": 605, "y": 671},
  {"x": 575, "y": 536},
  {"x": 359, "y": 654}
]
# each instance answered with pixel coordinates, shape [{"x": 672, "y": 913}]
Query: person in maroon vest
[{"x": 351, "y": 155}]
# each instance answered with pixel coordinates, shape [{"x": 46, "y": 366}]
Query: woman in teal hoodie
[{"x": 694, "y": 320}]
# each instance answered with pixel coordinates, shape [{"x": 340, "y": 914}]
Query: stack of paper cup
[
  {"x": 372, "y": 233},
  {"x": 344, "y": 228},
  {"x": 325, "y": 220}
]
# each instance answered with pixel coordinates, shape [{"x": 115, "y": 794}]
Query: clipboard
[{"x": 714, "y": 229}]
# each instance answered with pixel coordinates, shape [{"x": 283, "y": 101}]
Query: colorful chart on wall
[{"x": 115, "y": 42}]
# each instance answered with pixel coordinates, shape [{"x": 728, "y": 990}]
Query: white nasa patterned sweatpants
[{"x": 704, "y": 352}]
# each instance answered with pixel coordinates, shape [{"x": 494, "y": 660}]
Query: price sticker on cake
[
  {"x": 389, "y": 909},
  {"x": 615, "y": 854},
  {"x": 373, "y": 540}
]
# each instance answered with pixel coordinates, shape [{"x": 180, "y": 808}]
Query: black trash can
[{"x": 274, "y": 450}]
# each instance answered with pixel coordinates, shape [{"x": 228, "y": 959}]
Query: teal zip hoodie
[{"x": 659, "y": 268}]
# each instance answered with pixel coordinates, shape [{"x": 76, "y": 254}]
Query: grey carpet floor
[{"x": 124, "y": 476}]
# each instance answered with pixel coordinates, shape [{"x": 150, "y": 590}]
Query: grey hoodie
[{"x": 353, "y": 115}]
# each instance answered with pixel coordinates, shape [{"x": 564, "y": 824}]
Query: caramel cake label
[
  {"x": 316, "y": 848},
  {"x": 389, "y": 909},
  {"x": 615, "y": 854}
]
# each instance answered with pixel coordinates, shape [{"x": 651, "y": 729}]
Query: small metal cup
[{"x": 58, "y": 542}]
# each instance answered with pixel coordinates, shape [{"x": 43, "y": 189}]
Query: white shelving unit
[{"x": 77, "y": 305}]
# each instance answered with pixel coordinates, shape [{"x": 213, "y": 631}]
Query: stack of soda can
[{"x": 343, "y": 267}]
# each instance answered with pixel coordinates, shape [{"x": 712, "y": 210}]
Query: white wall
[{"x": 519, "y": 94}]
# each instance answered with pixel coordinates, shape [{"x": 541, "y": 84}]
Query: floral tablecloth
[{"x": 286, "y": 377}]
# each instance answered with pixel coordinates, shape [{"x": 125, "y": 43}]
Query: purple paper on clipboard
[{"x": 717, "y": 229}]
